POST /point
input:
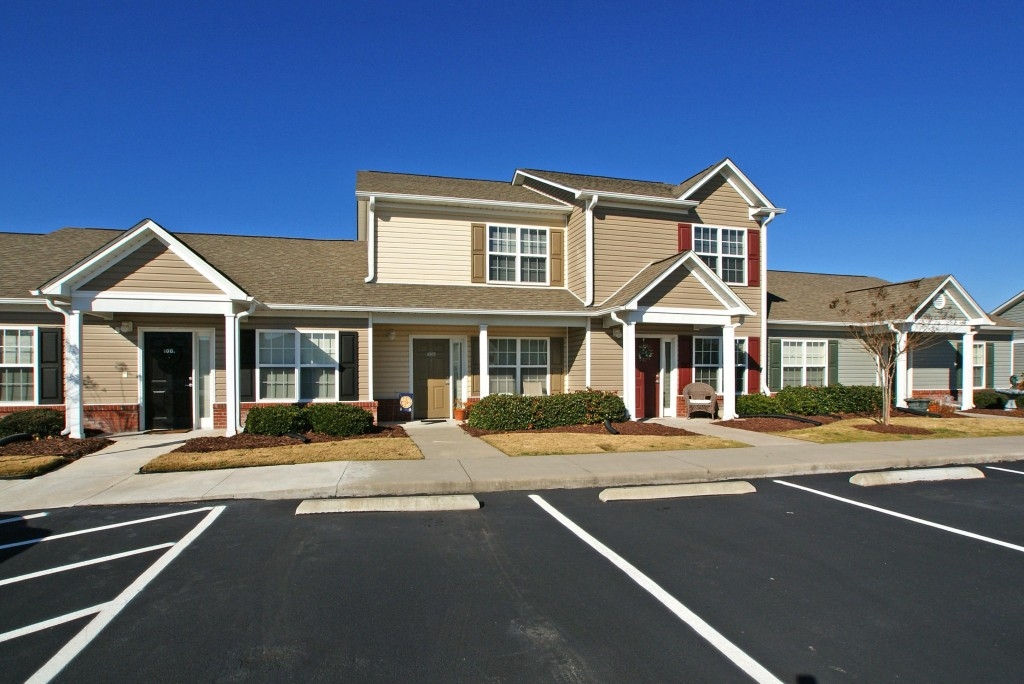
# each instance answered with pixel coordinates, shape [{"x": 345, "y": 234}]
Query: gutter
[{"x": 765, "y": 220}]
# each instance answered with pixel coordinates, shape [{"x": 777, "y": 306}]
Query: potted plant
[{"x": 460, "y": 410}]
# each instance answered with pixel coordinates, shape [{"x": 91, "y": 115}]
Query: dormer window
[
  {"x": 723, "y": 250},
  {"x": 517, "y": 255}
]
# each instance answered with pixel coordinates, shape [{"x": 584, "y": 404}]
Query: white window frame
[
  {"x": 519, "y": 362},
  {"x": 297, "y": 365},
  {"x": 741, "y": 368},
  {"x": 975, "y": 366},
  {"x": 34, "y": 366},
  {"x": 803, "y": 358},
  {"x": 518, "y": 255},
  {"x": 718, "y": 253},
  {"x": 718, "y": 368}
]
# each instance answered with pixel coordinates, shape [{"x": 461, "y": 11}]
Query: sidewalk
[{"x": 455, "y": 463}]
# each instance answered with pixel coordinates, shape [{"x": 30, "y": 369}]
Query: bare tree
[{"x": 890, "y": 321}]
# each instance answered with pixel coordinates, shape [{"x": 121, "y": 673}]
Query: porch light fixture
[
  {"x": 125, "y": 326},
  {"x": 617, "y": 333},
  {"x": 391, "y": 334}
]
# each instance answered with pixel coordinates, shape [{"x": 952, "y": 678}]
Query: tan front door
[{"x": 430, "y": 379}]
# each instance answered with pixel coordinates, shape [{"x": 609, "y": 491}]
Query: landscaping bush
[
  {"x": 989, "y": 400},
  {"x": 339, "y": 420},
  {"x": 36, "y": 422},
  {"x": 276, "y": 420},
  {"x": 515, "y": 412},
  {"x": 817, "y": 401},
  {"x": 752, "y": 404}
]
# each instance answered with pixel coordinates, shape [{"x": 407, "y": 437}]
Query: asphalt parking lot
[{"x": 785, "y": 584}]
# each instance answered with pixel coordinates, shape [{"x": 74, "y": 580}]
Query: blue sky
[{"x": 891, "y": 131}]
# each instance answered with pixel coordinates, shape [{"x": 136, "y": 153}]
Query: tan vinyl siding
[
  {"x": 392, "y": 357},
  {"x": 605, "y": 359},
  {"x": 576, "y": 354},
  {"x": 110, "y": 365},
  {"x": 720, "y": 204},
  {"x": 626, "y": 243},
  {"x": 361, "y": 206},
  {"x": 151, "y": 268},
  {"x": 432, "y": 248},
  {"x": 681, "y": 290},
  {"x": 751, "y": 296},
  {"x": 576, "y": 253}
]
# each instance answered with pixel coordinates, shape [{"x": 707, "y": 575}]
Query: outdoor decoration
[{"x": 644, "y": 352}]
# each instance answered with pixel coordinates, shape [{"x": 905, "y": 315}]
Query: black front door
[{"x": 168, "y": 380}]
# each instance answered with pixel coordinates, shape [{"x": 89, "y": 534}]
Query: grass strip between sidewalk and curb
[
  {"x": 395, "y": 449},
  {"x": 16, "y": 467},
  {"x": 847, "y": 430},
  {"x": 563, "y": 443}
]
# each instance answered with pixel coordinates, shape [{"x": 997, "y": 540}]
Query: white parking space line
[
  {"x": 110, "y": 610},
  {"x": 82, "y": 564},
  {"x": 20, "y": 518},
  {"x": 903, "y": 516},
  {"x": 755, "y": 670},
  {"x": 52, "y": 622},
  {"x": 1005, "y": 470},
  {"x": 65, "y": 535}
]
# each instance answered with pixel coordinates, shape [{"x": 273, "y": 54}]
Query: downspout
[
  {"x": 590, "y": 204},
  {"x": 53, "y": 307},
  {"x": 628, "y": 352},
  {"x": 371, "y": 240},
  {"x": 764, "y": 301},
  {"x": 238, "y": 364}
]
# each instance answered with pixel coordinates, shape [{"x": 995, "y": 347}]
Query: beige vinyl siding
[
  {"x": 626, "y": 243},
  {"x": 721, "y": 205},
  {"x": 681, "y": 290},
  {"x": 576, "y": 253},
  {"x": 751, "y": 296},
  {"x": 361, "y": 206},
  {"x": 151, "y": 268},
  {"x": 432, "y": 248},
  {"x": 605, "y": 358},
  {"x": 392, "y": 358},
  {"x": 110, "y": 365},
  {"x": 28, "y": 317},
  {"x": 576, "y": 365}
]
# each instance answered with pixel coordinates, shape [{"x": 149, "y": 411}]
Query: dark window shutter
[
  {"x": 247, "y": 365},
  {"x": 474, "y": 366},
  {"x": 753, "y": 258},
  {"x": 479, "y": 248},
  {"x": 51, "y": 366},
  {"x": 990, "y": 364},
  {"x": 833, "y": 362},
  {"x": 774, "y": 365},
  {"x": 556, "y": 362},
  {"x": 958, "y": 362},
  {"x": 685, "y": 360},
  {"x": 348, "y": 366},
  {"x": 685, "y": 237},
  {"x": 557, "y": 251},
  {"x": 753, "y": 365}
]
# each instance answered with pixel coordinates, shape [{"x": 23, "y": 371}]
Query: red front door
[{"x": 648, "y": 373}]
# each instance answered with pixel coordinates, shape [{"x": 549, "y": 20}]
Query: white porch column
[
  {"x": 967, "y": 372},
  {"x": 231, "y": 373},
  {"x": 629, "y": 368},
  {"x": 902, "y": 386},
  {"x": 586, "y": 341},
  {"x": 73, "y": 375},
  {"x": 485, "y": 377},
  {"x": 728, "y": 372},
  {"x": 369, "y": 358}
]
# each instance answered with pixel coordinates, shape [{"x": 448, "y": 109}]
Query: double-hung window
[
  {"x": 518, "y": 366},
  {"x": 517, "y": 255},
  {"x": 741, "y": 365},
  {"x": 707, "y": 360},
  {"x": 297, "y": 366},
  {"x": 17, "y": 365},
  {"x": 978, "y": 364},
  {"x": 804, "y": 363},
  {"x": 724, "y": 250}
]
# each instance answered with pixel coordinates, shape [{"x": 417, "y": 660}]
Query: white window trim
[
  {"x": 297, "y": 366},
  {"x": 983, "y": 365},
  {"x": 741, "y": 369},
  {"x": 519, "y": 366},
  {"x": 695, "y": 365},
  {"x": 518, "y": 255},
  {"x": 719, "y": 255},
  {"x": 803, "y": 356},
  {"x": 34, "y": 329}
]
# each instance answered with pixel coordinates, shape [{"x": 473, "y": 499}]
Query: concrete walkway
[{"x": 458, "y": 464}]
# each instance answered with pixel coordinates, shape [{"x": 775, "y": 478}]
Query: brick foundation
[{"x": 109, "y": 418}]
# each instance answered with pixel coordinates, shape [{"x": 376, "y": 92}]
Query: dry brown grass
[
  {"x": 12, "y": 467},
  {"x": 346, "y": 450},
  {"x": 560, "y": 443},
  {"x": 847, "y": 431}
]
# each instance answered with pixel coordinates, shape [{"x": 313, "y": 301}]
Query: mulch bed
[
  {"x": 205, "y": 445},
  {"x": 55, "y": 446},
  {"x": 627, "y": 428},
  {"x": 775, "y": 424}
]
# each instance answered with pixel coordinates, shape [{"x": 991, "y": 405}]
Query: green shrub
[
  {"x": 816, "y": 401},
  {"x": 276, "y": 420},
  {"x": 339, "y": 420},
  {"x": 751, "y": 404},
  {"x": 989, "y": 400},
  {"x": 36, "y": 422},
  {"x": 515, "y": 412}
]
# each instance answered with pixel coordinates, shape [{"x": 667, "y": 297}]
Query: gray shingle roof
[
  {"x": 27, "y": 260},
  {"x": 797, "y": 296},
  {"x": 640, "y": 281},
  {"x": 894, "y": 301},
  {"x": 605, "y": 184},
  {"x": 439, "y": 186}
]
